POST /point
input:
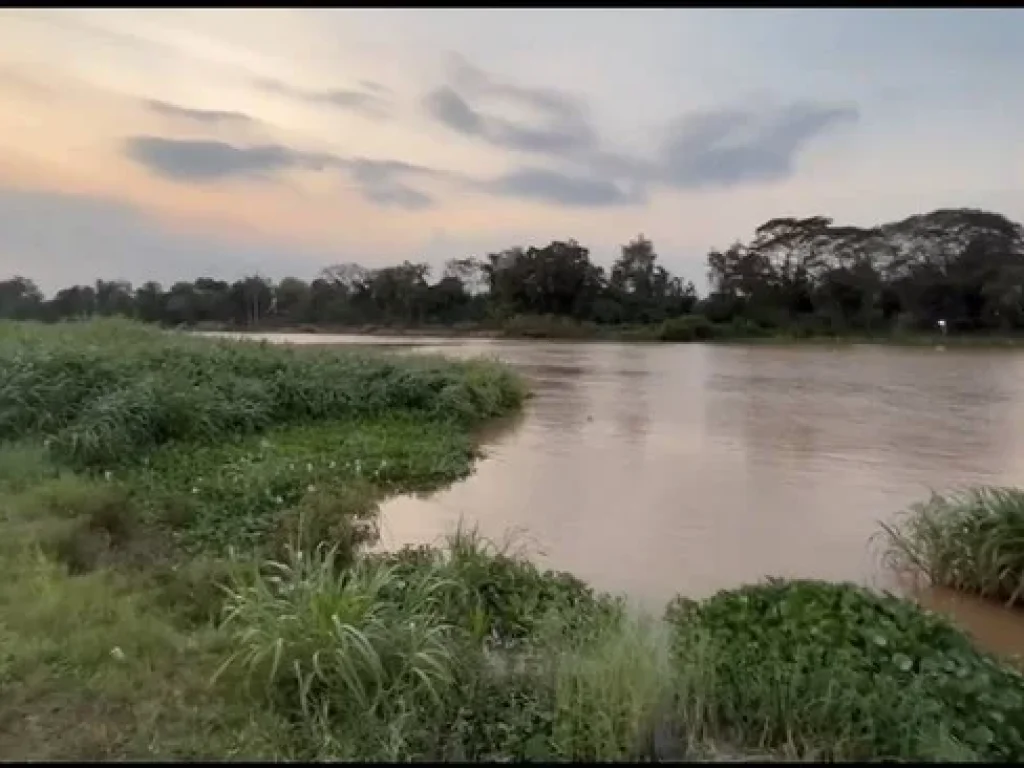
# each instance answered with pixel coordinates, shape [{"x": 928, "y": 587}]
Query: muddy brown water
[{"x": 657, "y": 469}]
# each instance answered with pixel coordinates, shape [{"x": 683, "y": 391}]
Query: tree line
[{"x": 961, "y": 266}]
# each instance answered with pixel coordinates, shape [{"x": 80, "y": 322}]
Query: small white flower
[
  {"x": 331, "y": 465},
  {"x": 279, "y": 500},
  {"x": 310, "y": 488},
  {"x": 117, "y": 654},
  {"x": 108, "y": 475},
  {"x": 309, "y": 467},
  {"x": 195, "y": 489}
]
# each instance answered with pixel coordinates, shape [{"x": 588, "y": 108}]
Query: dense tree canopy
[{"x": 959, "y": 265}]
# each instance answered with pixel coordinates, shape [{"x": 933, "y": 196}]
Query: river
[{"x": 655, "y": 469}]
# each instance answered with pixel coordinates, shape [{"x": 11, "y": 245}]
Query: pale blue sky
[{"x": 168, "y": 143}]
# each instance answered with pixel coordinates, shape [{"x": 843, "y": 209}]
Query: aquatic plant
[
  {"x": 971, "y": 541},
  {"x": 107, "y": 393},
  {"x": 832, "y": 671}
]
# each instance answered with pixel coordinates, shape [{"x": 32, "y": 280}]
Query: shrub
[
  {"x": 686, "y": 328},
  {"x": 548, "y": 327}
]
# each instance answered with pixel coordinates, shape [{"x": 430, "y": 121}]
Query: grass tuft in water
[{"x": 971, "y": 541}]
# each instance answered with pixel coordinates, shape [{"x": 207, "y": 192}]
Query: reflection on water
[{"x": 656, "y": 469}]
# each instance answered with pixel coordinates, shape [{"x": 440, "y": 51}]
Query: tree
[
  {"x": 808, "y": 275},
  {"x": 251, "y": 299},
  {"x": 114, "y": 297},
  {"x": 293, "y": 299},
  {"x": 20, "y": 299}
]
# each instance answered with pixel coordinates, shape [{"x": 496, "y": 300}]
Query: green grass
[
  {"x": 972, "y": 541},
  {"x": 133, "y": 460},
  {"x": 184, "y": 524},
  {"x": 788, "y": 670}
]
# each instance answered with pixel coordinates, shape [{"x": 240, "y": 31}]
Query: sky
[{"x": 171, "y": 144}]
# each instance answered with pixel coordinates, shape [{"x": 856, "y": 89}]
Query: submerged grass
[{"x": 183, "y": 522}]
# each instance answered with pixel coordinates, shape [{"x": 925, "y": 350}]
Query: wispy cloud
[
  {"x": 206, "y": 161},
  {"x": 553, "y": 122},
  {"x": 566, "y": 189},
  {"x": 370, "y": 99},
  {"x": 209, "y": 116},
  {"x": 739, "y": 146},
  {"x": 727, "y": 147}
]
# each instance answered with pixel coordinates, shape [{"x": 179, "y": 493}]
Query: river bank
[
  {"x": 184, "y": 527},
  {"x": 687, "y": 329}
]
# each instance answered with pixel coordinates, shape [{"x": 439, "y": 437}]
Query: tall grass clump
[
  {"x": 353, "y": 662},
  {"x": 104, "y": 393},
  {"x": 465, "y": 652},
  {"x": 612, "y": 688},
  {"x": 504, "y": 598},
  {"x": 971, "y": 541}
]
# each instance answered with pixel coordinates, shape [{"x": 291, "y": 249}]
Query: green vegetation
[
  {"x": 794, "y": 279},
  {"x": 185, "y": 578},
  {"x": 133, "y": 460},
  {"x": 835, "y": 672},
  {"x": 971, "y": 541}
]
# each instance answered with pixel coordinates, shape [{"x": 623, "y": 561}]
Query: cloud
[
  {"x": 380, "y": 181},
  {"x": 554, "y": 123},
  {"x": 208, "y": 116},
  {"x": 205, "y": 161},
  {"x": 564, "y": 189},
  {"x": 721, "y": 148},
  {"x": 374, "y": 87},
  {"x": 727, "y": 147},
  {"x": 731, "y": 147},
  {"x": 370, "y": 101},
  {"x": 22, "y": 84}
]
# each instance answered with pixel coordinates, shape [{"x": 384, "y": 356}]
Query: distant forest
[{"x": 805, "y": 276}]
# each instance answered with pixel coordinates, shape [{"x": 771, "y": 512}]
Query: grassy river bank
[{"x": 183, "y": 524}]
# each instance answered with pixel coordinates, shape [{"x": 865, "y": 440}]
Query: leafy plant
[{"x": 835, "y": 671}]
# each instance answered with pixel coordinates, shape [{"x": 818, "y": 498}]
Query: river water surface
[{"x": 657, "y": 469}]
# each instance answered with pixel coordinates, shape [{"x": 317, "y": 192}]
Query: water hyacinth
[{"x": 116, "y": 401}]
